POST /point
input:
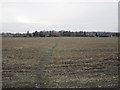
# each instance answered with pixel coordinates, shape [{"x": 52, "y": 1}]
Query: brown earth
[{"x": 66, "y": 62}]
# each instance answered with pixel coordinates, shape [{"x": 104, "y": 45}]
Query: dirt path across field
[{"x": 45, "y": 60}]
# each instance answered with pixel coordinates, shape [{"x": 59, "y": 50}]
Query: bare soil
[{"x": 66, "y": 62}]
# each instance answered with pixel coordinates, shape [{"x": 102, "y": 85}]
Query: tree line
[
  {"x": 57, "y": 34},
  {"x": 70, "y": 34},
  {"x": 62, "y": 34}
]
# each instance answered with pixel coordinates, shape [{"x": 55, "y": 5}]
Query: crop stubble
[{"x": 70, "y": 62}]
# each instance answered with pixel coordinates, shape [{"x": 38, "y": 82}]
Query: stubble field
[{"x": 60, "y": 62}]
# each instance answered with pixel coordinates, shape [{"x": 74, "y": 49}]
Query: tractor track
[{"x": 41, "y": 78}]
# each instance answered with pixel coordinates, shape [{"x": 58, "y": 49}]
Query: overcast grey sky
[{"x": 59, "y": 15}]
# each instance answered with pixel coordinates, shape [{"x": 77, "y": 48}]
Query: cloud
[{"x": 85, "y": 15}]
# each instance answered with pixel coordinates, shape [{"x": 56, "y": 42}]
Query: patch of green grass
[{"x": 43, "y": 80}]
